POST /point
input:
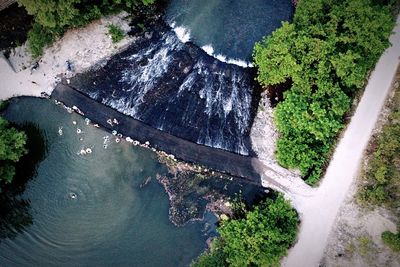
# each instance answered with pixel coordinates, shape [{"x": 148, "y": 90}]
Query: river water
[
  {"x": 178, "y": 85},
  {"x": 227, "y": 29},
  {"x": 90, "y": 209},
  {"x": 86, "y": 203}
]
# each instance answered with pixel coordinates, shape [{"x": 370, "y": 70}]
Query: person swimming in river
[{"x": 72, "y": 195}]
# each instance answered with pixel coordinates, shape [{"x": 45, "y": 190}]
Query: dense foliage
[
  {"x": 12, "y": 148},
  {"x": 381, "y": 184},
  {"x": 261, "y": 238},
  {"x": 53, "y": 17},
  {"x": 391, "y": 240},
  {"x": 326, "y": 54}
]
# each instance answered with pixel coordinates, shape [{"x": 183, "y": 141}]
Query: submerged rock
[{"x": 193, "y": 190}]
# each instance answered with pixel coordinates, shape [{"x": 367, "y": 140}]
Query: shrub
[
  {"x": 116, "y": 33},
  {"x": 215, "y": 257},
  {"x": 3, "y": 105},
  {"x": 381, "y": 178},
  {"x": 391, "y": 240},
  {"x": 39, "y": 37},
  {"x": 12, "y": 148}
]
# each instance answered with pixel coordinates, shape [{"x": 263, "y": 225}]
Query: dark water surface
[
  {"x": 228, "y": 27},
  {"x": 112, "y": 220}
]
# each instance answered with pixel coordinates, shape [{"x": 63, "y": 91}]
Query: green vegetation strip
[
  {"x": 52, "y": 17},
  {"x": 325, "y": 55},
  {"x": 261, "y": 238},
  {"x": 12, "y": 148},
  {"x": 381, "y": 179}
]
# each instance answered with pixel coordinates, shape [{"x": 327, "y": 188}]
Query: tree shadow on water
[{"x": 15, "y": 213}]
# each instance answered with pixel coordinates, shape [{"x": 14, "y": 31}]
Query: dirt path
[{"x": 319, "y": 211}]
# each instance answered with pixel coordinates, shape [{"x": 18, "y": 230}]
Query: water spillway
[
  {"x": 177, "y": 88},
  {"x": 216, "y": 159},
  {"x": 182, "y": 87}
]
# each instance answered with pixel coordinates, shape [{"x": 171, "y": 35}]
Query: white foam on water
[
  {"x": 233, "y": 61},
  {"x": 184, "y": 36},
  {"x": 208, "y": 49},
  {"x": 182, "y": 32}
]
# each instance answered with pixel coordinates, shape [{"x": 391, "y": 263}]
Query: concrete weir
[{"x": 216, "y": 159}]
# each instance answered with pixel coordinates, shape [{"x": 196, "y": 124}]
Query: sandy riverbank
[{"x": 83, "y": 47}]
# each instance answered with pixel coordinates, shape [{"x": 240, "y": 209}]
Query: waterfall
[{"x": 176, "y": 87}]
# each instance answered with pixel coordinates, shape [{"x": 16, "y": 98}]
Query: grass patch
[
  {"x": 365, "y": 246},
  {"x": 391, "y": 240}
]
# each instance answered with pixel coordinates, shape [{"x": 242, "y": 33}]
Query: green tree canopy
[
  {"x": 12, "y": 148},
  {"x": 326, "y": 54},
  {"x": 261, "y": 238}
]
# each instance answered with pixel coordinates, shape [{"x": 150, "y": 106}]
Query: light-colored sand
[
  {"x": 83, "y": 47},
  {"x": 353, "y": 224},
  {"x": 318, "y": 212}
]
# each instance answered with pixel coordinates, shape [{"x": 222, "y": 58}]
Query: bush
[
  {"x": 39, "y": 37},
  {"x": 381, "y": 178},
  {"x": 326, "y": 53},
  {"x": 215, "y": 257},
  {"x": 12, "y": 148},
  {"x": 116, "y": 33},
  {"x": 261, "y": 238},
  {"x": 391, "y": 240}
]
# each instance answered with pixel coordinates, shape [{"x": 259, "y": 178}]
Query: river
[{"x": 90, "y": 209}]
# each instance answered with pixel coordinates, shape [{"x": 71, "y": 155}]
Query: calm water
[
  {"x": 112, "y": 220},
  {"x": 228, "y": 27}
]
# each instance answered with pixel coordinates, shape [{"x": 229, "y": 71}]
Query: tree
[
  {"x": 275, "y": 51},
  {"x": 326, "y": 54},
  {"x": 262, "y": 237},
  {"x": 12, "y": 148}
]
